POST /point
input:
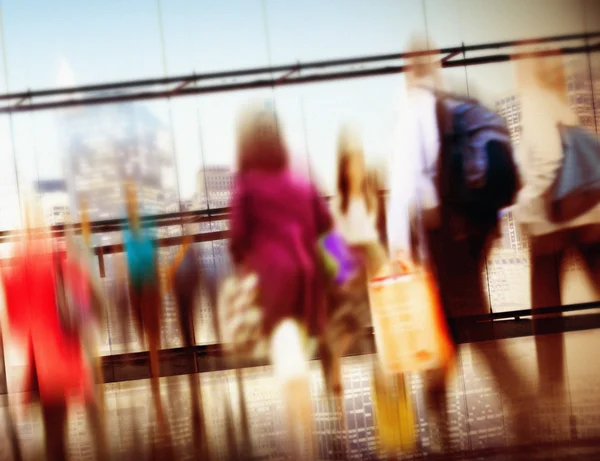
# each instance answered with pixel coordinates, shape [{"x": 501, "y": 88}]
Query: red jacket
[{"x": 29, "y": 285}]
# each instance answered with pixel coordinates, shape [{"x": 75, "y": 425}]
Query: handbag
[
  {"x": 337, "y": 259},
  {"x": 411, "y": 333},
  {"x": 240, "y": 317},
  {"x": 576, "y": 188}
]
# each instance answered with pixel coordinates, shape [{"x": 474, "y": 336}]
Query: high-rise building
[
  {"x": 512, "y": 238},
  {"x": 583, "y": 85},
  {"x": 214, "y": 186},
  {"x": 509, "y": 107},
  {"x": 54, "y": 200},
  {"x": 107, "y": 145}
]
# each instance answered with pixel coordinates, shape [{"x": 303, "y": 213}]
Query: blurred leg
[
  {"x": 55, "y": 421},
  {"x": 291, "y": 371},
  {"x": 545, "y": 255},
  {"x": 437, "y": 404},
  {"x": 198, "y": 422},
  {"x": 457, "y": 266},
  {"x": 589, "y": 247},
  {"x": 211, "y": 278},
  {"x": 95, "y": 408},
  {"x": 510, "y": 381},
  {"x": 95, "y": 414},
  {"x": 150, "y": 309},
  {"x": 135, "y": 309},
  {"x": 185, "y": 305}
]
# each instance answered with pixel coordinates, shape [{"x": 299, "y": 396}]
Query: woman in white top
[
  {"x": 544, "y": 105},
  {"x": 355, "y": 206},
  {"x": 355, "y": 213},
  {"x": 355, "y": 209}
]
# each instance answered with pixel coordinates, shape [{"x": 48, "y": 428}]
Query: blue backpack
[{"x": 477, "y": 172}]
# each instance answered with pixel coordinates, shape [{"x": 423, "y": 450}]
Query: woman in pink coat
[{"x": 276, "y": 222}]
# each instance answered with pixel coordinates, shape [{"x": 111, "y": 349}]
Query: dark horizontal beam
[
  {"x": 290, "y": 67},
  {"x": 178, "y": 218},
  {"x": 166, "y": 242},
  {"x": 527, "y": 312},
  {"x": 117, "y": 224},
  {"x": 183, "y": 88},
  {"x": 516, "y": 56}
]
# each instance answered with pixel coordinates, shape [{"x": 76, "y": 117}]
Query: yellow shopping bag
[
  {"x": 395, "y": 421},
  {"x": 411, "y": 333}
]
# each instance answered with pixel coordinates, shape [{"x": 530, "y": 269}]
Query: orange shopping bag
[{"x": 411, "y": 333}]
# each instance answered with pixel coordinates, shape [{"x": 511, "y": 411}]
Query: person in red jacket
[{"x": 54, "y": 357}]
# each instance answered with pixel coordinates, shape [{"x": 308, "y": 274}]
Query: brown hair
[
  {"x": 260, "y": 146},
  {"x": 345, "y": 151}
]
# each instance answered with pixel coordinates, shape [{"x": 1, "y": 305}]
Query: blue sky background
[{"x": 67, "y": 41}]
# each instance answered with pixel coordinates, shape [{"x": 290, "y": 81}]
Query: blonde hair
[
  {"x": 349, "y": 144},
  {"x": 546, "y": 72},
  {"x": 35, "y": 227},
  {"x": 260, "y": 145},
  {"x": 349, "y": 140},
  {"x": 33, "y": 212}
]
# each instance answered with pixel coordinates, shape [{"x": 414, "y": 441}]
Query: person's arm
[
  {"x": 172, "y": 269},
  {"x": 539, "y": 154},
  {"x": 99, "y": 303},
  {"x": 402, "y": 183},
  {"x": 323, "y": 217},
  {"x": 239, "y": 226},
  {"x": 3, "y": 302}
]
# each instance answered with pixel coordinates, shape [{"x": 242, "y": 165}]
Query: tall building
[
  {"x": 214, "y": 186},
  {"x": 213, "y": 190},
  {"x": 583, "y": 85},
  {"x": 105, "y": 146},
  {"x": 509, "y": 107},
  {"x": 512, "y": 238},
  {"x": 54, "y": 200}
]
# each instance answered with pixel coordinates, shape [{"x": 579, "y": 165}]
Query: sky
[{"x": 46, "y": 44}]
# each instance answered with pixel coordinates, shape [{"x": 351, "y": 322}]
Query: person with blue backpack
[{"x": 451, "y": 173}]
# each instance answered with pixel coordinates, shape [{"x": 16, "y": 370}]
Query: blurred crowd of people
[{"x": 303, "y": 266}]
